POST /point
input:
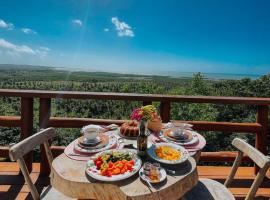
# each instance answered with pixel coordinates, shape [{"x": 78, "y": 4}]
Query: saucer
[
  {"x": 91, "y": 141},
  {"x": 99, "y": 142},
  {"x": 86, "y": 143},
  {"x": 179, "y": 137}
]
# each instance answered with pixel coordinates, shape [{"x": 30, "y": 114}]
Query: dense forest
[{"x": 45, "y": 78}]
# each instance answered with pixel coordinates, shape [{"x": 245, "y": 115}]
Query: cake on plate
[{"x": 130, "y": 129}]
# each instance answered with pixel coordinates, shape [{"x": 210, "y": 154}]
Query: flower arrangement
[{"x": 146, "y": 113}]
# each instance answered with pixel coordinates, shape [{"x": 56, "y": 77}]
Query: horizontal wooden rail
[
  {"x": 224, "y": 126},
  {"x": 10, "y": 121},
  {"x": 221, "y": 156},
  {"x": 4, "y": 152},
  {"x": 79, "y": 122},
  {"x": 198, "y": 125},
  {"x": 133, "y": 97}
]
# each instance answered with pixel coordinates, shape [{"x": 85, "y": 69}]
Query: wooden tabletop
[{"x": 69, "y": 177}]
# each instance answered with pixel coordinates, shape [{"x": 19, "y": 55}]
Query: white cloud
[
  {"x": 123, "y": 29},
  {"x": 77, "y": 22},
  {"x": 106, "y": 29},
  {"x": 28, "y": 31},
  {"x": 17, "y": 50},
  {"x": 5, "y": 25}
]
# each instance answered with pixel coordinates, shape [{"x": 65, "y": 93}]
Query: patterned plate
[
  {"x": 166, "y": 138},
  {"x": 92, "y": 171},
  {"x": 104, "y": 140},
  {"x": 184, "y": 153},
  {"x": 112, "y": 142}
]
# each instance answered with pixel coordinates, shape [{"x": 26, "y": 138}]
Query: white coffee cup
[
  {"x": 91, "y": 131},
  {"x": 90, "y": 135}
]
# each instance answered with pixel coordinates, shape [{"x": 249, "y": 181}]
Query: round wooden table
[{"x": 69, "y": 177}]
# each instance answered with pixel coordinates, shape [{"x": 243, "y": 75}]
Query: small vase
[{"x": 142, "y": 138}]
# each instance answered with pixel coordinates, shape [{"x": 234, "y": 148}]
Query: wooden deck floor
[{"x": 12, "y": 185}]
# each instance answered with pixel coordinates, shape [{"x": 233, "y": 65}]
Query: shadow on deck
[{"x": 12, "y": 185}]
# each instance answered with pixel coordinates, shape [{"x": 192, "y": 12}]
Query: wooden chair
[
  {"x": 208, "y": 189},
  {"x": 17, "y": 152}
]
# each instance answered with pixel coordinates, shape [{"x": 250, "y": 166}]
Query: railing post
[
  {"x": 261, "y": 137},
  {"x": 27, "y": 126},
  {"x": 165, "y": 111},
  {"x": 147, "y": 103},
  {"x": 44, "y": 117}
]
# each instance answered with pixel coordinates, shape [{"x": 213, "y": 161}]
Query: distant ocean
[
  {"x": 212, "y": 76},
  {"x": 177, "y": 74}
]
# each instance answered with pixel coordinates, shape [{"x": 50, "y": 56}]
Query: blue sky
[{"x": 225, "y": 36}]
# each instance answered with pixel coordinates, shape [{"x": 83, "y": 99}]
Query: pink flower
[{"x": 136, "y": 114}]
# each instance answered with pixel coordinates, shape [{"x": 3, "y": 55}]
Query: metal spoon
[
  {"x": 148, "y": 183},
  {"x": 171, "y": 171}
]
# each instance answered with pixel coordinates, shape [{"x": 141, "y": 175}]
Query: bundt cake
[{"x": 130, "y": 129}]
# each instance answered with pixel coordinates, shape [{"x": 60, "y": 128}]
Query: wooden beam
[
  {"x": 44, "y": 112},
  {"x": 57, "y": 150},
  {"x": 133, "y": 97},
  {"x": 224, "y": 126},
  {"x": 145, "y": 103},
  {"x": 27, "y": 126},
  {"x": 221, "y": 156},
  {"x": 261, "y": 137},
  {"x": 80, "y": 122},
  {"x": 4, "y": 152},
  {"x": 10, "y": 121},
  {"x": 44, "y": 116},
  {"x": 165, "y": 111}
]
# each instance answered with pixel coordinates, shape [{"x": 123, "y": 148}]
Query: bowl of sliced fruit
[
  {"x": 113, "y": 165},
  {"x": 168, "y": 153}
]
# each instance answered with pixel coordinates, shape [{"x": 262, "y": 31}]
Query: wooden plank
[
  {"x": 165, "y": 111},
  {"x": 261, "y": 137},
  {"x": 221, "y": 156},
  {"x": 57, "y": 150},
  {"x": 20, "y": 149},
  {"x": 44, "y": 112},
  {"x": 14, "y": 167},
  {"x": 10, "y": 121},
  {"x": 224, "y": 126},
  {"x": 145, "y": 103},
  {"x": 27, "y": 126},
  {"x": 44, "y": 116},
  {"x": 4, "y": 152},
  {"x": 133, "y": 97},
  {"x": 80, "y": 122}
]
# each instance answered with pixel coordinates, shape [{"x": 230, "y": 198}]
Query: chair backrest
[
  {"x": 18, "y": 150},
  {"x": 262, "y": 161}
]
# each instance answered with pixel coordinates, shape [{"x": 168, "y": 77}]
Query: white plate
[
  {"x": 91, "y": 142},
  {"x": 194, "y": 139},
  {"x": 92, "y": 171},
  {"x": 111, "y": 143},
  {"x": 162, "y": 178},
  {"x": 184, "y": 153}
]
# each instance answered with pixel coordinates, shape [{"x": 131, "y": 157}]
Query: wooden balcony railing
[{"x": 25, "y": 121}]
